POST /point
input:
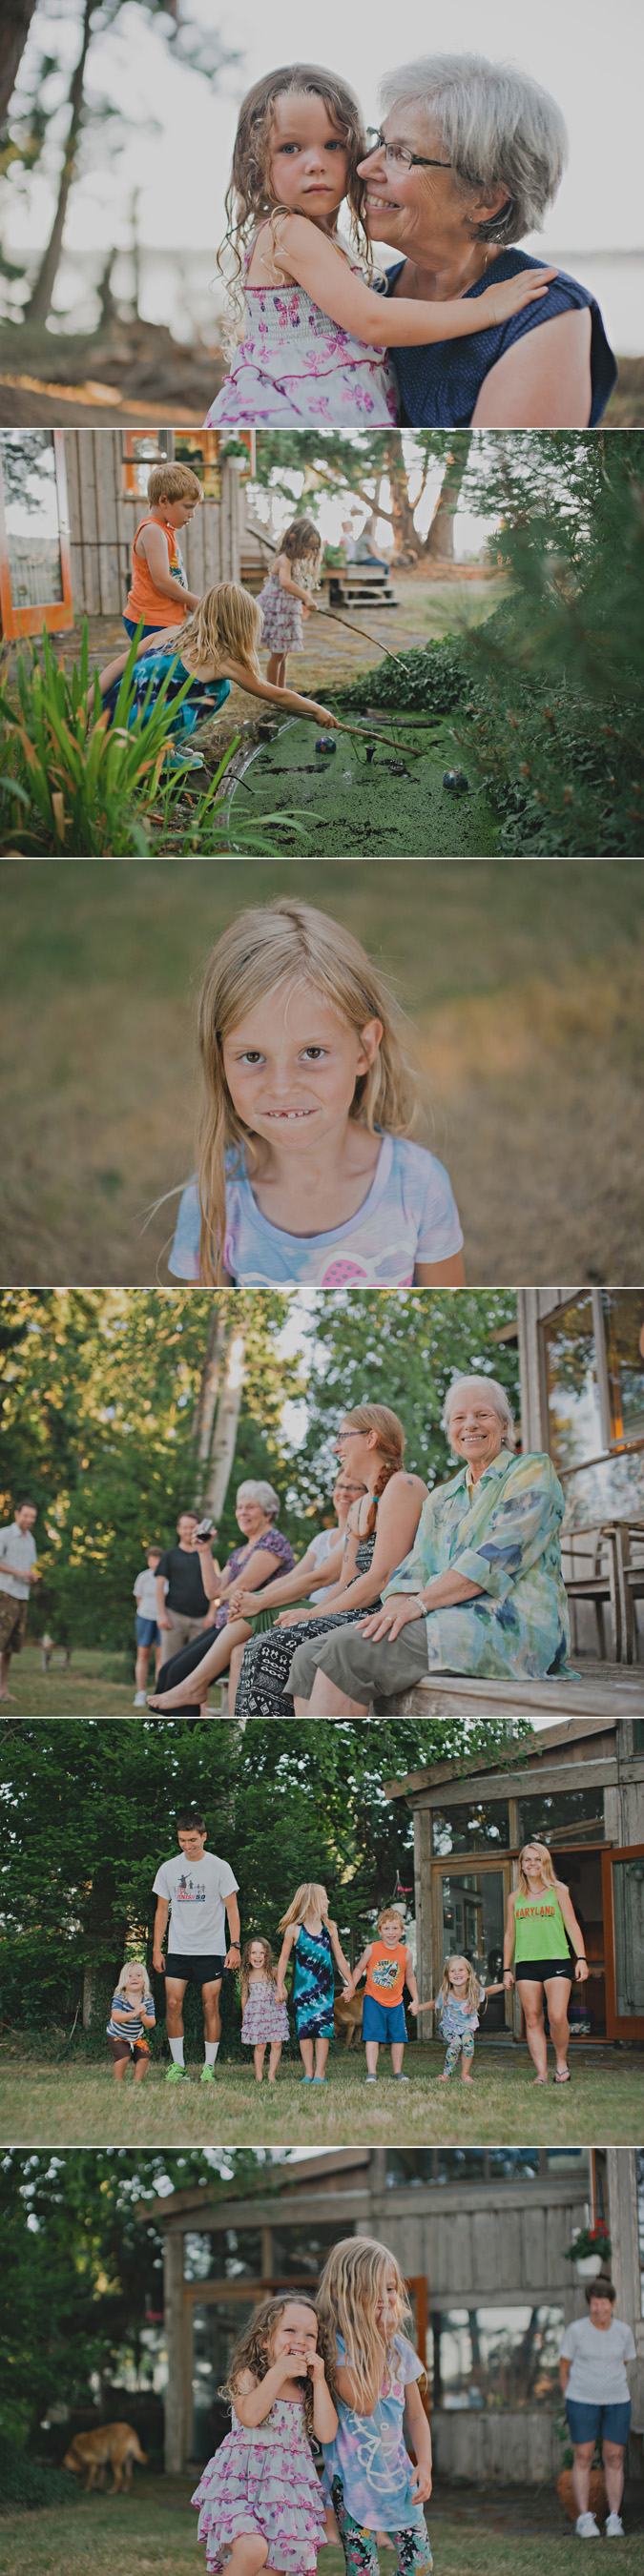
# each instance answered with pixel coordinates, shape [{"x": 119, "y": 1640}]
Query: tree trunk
[
  {"x": 439, "y": 544},
  {"x": 406, "y": 542},
  {"x": 225, "y": 1433},
  {"x": 15, "y": 22},
  {"x": 89, "y": 1995},
  {"x": 219, "y": 1332},
  {"x": 40, "y": 299}
]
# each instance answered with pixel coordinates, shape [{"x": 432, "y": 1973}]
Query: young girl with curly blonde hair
[
  {"x": 259, "y": 2500},
  {"x": 457, "y": 2004},
  {"x": 286, "y": 596},
  {"x": 305, "y": 1166},
  {"x": 369, "y": 2477},
  {"x": 265, "y": 2021},
  {"x": 316, "y": 333}
]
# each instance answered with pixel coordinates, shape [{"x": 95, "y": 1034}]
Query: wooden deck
[{"x": 602, "y": 1690}]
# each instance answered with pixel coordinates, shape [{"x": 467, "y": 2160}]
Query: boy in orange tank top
[
  {"x": 159, "y": 592},
  {"x": 389, "y": 1967}
]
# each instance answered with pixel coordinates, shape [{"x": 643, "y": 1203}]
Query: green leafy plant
[
  {"x": 590, "y": 2240},
  {"x": 71, "y": 787}
]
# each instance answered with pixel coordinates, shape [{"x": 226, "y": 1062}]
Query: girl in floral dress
[
  {"x": 286, "y": 596},
  {"x": 316, "y": 1942},
  {"x": 369, "y": 2478},
  {"x": 315, "y": 333},
  {"x": 259, "y": 2500},
  {"x": 265, "y": 2022}
]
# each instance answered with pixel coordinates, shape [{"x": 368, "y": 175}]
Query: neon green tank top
[{"x": 540, "y": 1928}]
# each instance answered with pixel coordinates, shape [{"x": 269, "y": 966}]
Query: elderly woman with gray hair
[
  {"x": 470, "y": 158},
  {"x": 482, "y": 1591},
  {"x": 183, "y": 1682}
]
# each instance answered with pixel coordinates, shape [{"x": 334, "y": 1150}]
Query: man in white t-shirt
[
  {"x": 592, "y": 2372},
  {"x": 18, "y": 1571},
  {"x": 197, "y": 1890}
]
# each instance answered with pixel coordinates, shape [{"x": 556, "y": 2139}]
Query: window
[
  {"x": 514, "y": 2164},
  {"x": 623, "y": 1324},
  {"x": 638, "y": 1735},
  {"x": 562, "y": 1815},
  {"x": 574, "y": 1407},
  {"x": 223, "y": 2256},
  {"x": 473, "y": 1928},
  {"x": 409, "y": 2165},
  {"x": 296, "y": 2249},
  {"x": 485, "y": 1827},
  {"x": 491, "y": 2358}
]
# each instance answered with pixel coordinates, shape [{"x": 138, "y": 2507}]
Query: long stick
[{"x": 366, "y": 734}]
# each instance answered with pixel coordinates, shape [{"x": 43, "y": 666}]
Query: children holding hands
[
  {"x": 388, "y": 1965},
  {"x": 259, "y": 2500},
  {"x": 457, "y": 2007}
]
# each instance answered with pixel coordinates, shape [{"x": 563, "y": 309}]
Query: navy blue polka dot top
[{"x": 439, "y": 383}]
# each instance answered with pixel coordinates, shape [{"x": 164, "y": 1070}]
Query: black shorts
[
  {"x": 197, "y": 1972},
  {"x": 535, "y": 1971}
]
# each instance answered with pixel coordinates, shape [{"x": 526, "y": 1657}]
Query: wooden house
[{"x": 481, "y": 2235}]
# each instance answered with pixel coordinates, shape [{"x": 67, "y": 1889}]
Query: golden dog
[
  {"x": 347, "y": 2015},
  {"x": 112, "y": 2446}
]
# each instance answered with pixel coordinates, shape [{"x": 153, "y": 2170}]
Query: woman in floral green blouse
[{"x": 482, "y": 1592}]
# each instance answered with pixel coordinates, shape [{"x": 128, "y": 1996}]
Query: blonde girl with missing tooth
[
  {"x": 306, "y": 1169},
  {"x": 369, "y": 2479},
  {"x": 316, "y": 332}
]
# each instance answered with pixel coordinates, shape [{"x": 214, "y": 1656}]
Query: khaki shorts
[
  {"x": 13, "y": 1622},
  {"x": 365, "y": 1670},
  {"x": 180, "y": 1633}
]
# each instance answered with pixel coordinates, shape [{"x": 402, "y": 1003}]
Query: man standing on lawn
[
  {"x": 198, "y": 1890},
  {"x": 18, "y": 1571},
  {"x": 187, "y": 1584}
]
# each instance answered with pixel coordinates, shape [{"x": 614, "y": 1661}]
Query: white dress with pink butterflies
[{"x": 295, "y": 364}]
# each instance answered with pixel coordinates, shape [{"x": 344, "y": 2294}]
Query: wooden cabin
[
  {"x": 580, "y": 1788},
  {"x": 481, "y": 2235},
  {"x": 70, "y": 503}
]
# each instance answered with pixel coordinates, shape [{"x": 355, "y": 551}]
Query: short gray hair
[
  {"x": 496, "y": 1395},
  {"x": 499, "y": 127},
  {"x": 255, "y": 1490}
]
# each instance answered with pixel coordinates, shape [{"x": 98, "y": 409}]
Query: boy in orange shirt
[
  {"x": 159, "y": 591},
  {"x": 389, "y": 1968}
]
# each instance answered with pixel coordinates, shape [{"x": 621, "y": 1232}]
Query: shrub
[
  {"x": 432, "y": 681},
  {"x": 24, "y": 2482}
]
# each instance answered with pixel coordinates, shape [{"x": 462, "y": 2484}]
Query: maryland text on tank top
[
  {"x": 439, "y": 381},
  {"x": 539, "y": 1925}
]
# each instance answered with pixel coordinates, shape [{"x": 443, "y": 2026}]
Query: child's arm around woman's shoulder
[{"x": 387, "y": 322}]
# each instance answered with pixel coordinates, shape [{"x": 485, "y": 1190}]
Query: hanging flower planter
[{"x": 590, "y": 2251}]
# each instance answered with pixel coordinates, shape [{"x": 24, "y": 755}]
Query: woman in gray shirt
[{"x": 592, "y": 2371}]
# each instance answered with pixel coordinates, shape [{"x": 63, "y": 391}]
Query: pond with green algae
[{"x": 390, "y": 805}]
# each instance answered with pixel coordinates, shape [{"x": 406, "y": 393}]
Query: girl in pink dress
[
  {"x": 265, "y": 2022},
  {"x": 259, "y": 2500},
  {"x": 315, "y": 333},
  {"x": 286, "y": 595}
]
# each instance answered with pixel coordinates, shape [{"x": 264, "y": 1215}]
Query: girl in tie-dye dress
[
  {"x": 316, "y": 1942},
  {"x": 315, "y": 332}
]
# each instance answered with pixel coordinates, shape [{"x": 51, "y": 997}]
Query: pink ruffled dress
[
  {"x": 264, "y": 2018},
  {"x": 295, "y": 364},
  {"x": 263, "y": 2479}
]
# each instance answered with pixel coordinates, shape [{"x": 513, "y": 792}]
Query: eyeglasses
[{"x": 397, "y": 155}]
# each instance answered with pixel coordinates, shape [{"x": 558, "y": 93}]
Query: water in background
[{"x": 181, "y": 289}]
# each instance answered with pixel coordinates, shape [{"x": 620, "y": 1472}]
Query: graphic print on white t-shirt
[{"x": 196, "y": 1892}]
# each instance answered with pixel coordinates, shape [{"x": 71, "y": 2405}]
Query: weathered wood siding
[
  {"x": 103, "y": 526},
  {"x": 496, "y": 2448}
]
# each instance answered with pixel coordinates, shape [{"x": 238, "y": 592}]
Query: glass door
[
  {"x": 472, "y": 1922},
  {"x": 35, "y": 561},
  {"x": 623, "y": 1890}
]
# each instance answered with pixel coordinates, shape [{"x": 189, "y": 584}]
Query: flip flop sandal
[{"x": 563, "y": 2079}]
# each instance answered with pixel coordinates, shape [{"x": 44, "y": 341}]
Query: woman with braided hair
[{"x": 370, "y": 1444}]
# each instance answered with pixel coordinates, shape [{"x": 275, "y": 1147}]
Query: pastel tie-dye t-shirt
[
  {"x": 409, "y": 1215},
  {"x": 368, "y": 2451}
]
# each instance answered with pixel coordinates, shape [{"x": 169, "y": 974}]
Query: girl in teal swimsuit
[{"x": 216, "y": 646}]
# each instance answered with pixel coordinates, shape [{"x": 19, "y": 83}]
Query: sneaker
[
  {"x": 371, "y": 2079},
  {"x": 586, "y": 2527},
  {"x": 402, "y": 2079},
  {"x": 176, "y": 2074},
  {"x": 207, "y": 2075},
  {"x": 140, "y": 1700},
  {"x": 614, "y": 2527}
]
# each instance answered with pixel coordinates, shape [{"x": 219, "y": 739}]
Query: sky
[{"x": 590, "y": 57}]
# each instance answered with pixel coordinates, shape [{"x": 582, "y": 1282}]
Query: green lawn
[
  {"x": 75, "y": 2103},
  {"x": 154, "y": 2533},
  {"x": 524, "y": 983},
  {"x": 89, "y": 1689}
]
